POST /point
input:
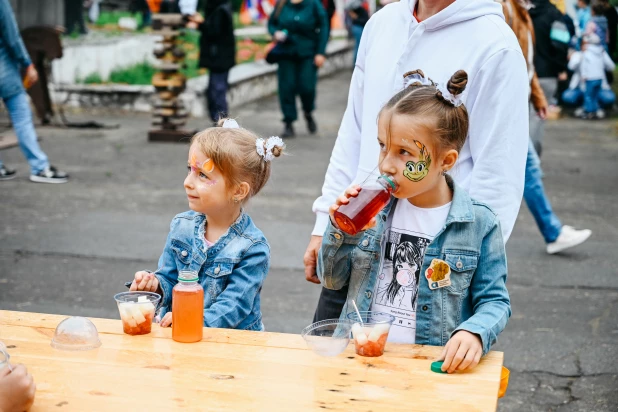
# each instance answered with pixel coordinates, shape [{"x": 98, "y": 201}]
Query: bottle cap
[
  {"x": 187, "y": 276},
  {"x": 437, "y": 367},
  {"x": 390, "y": 181}
]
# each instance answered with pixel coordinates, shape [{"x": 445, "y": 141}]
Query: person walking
[
  {"x": 550, "y": 61},
  {"x": 359, "y": 17},
  {"x": 217, "y": 53},
  {"x": 300, "y": 27},
  {"x": 557, "y": 236},
  {"x": 14, "y": 60}
]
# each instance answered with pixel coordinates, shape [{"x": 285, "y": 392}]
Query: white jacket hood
[{"x": 459, "y": 11}]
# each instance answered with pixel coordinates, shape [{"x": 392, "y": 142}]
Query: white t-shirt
[{"x": 410, "y": 230}]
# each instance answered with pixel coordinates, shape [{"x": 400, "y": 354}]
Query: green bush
[{"x": 141, "y": 73}]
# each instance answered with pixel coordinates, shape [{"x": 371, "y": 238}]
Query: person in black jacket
[
  {"x": 550, "y": 60},
  {"x": 612, "y": 23},
  {"x": 217, "y": 53}
]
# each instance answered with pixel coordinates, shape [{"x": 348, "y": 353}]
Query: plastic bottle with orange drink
[{"x": 187, "y": 308}]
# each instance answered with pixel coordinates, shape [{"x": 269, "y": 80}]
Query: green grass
[
  {"x": 107, "y": 18},
  {"x": 140, "y": 73},
  {"x": 93, "y": 78}
]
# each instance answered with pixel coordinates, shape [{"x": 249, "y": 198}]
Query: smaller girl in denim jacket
[
  {"x": 433, "y": 258},
  {"x": 227, "y": 165}
]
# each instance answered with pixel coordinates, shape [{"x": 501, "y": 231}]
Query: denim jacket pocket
[
  {"x": 219, "y": 269},
  {"x": 216, "y": 278},
  {"x": 463, "y": 263},
  {"x": 182, "y": 252}
]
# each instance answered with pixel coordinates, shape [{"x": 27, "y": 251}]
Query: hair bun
[
  {"x": 457, "y": 83},
  {"x": 277, "y": 151}
]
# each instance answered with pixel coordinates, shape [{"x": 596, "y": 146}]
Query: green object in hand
[{"x": 437, "y": 367}]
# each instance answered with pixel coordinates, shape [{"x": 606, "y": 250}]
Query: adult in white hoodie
[{"x": 447, "y": 36}]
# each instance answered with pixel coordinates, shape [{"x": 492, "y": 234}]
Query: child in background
[
  {"x": 226, "y": 167},
  {"x": 430, "y": 222},
  {"x": 589, "y": 82}
]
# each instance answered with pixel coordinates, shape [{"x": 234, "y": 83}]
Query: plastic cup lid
[{"x": 76, "y": 333}]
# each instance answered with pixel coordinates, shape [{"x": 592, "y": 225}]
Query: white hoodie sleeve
[
  {"x": 608, "y": 63},
  {"x": 346, "y": 153},
  {"x": 499, "y": 134},
  {"x": 575, "y": 61}
]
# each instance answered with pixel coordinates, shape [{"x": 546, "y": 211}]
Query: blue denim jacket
[
  {"x": 470, "y": 242},
  {"x": 13, "y": 55},
  {"x": 231, "y": 271}
]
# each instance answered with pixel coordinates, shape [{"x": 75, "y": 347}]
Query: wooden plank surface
[{"x": 235, "y": 370}]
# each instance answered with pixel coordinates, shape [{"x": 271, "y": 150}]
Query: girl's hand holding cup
[
  {"x": 145, "y": 281},
  {"x": 344, "y": 199}
]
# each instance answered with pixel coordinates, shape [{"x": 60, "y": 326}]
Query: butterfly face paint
[
  {"x": 416, "y": 171},
  {"x": 207, "y": 166}
]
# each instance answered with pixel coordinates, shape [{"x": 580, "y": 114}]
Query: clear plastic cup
[
  {"x": 370, "y": 338},
  {"x": 137, "y": 310},
  {"x": 4, "y": 357},
  {"x": 329, "y": 337}
]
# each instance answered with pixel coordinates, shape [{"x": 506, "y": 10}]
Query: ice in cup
[
  {"x": 370, "y": 336},
  {"x": 137, "y": 310}
]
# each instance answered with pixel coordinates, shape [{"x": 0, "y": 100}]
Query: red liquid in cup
[{"x": 371, "y": 199}]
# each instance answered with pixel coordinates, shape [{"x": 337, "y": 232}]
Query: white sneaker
[
  {"x": 568, "y": 238},
  {"x": 50, "y": 175},
  {"x": 578, "y": 112},
  {"x": 601, "y": 114}
]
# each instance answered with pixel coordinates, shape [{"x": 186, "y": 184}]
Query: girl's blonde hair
[
  {"x": 427, "y": 101},
  {"x": 234, "y": 152}
]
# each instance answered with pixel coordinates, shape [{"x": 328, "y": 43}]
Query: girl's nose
[
  {"x": 189, "y": 181},
  {"x": 388, "y": 166}
]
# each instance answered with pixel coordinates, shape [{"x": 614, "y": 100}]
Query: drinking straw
[{"x": 357, "y": 312}]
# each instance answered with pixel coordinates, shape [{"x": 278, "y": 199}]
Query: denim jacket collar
[{"x": 237, "y": 228}]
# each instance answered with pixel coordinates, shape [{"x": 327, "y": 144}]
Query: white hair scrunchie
[
  {"x": 265, "y": 147},
  {"x": 455, "y": 100},
  {"x": 230, "y": 124},
  {"x": 416, "y": 78}
]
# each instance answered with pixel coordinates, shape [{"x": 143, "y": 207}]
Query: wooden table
[{"x": 235, "y": 371}]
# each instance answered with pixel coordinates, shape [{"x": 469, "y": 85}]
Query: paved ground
[{"x": 68, "y": 248}]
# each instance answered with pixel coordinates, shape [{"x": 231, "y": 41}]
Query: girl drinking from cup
[{"x": 433, "y": 257}]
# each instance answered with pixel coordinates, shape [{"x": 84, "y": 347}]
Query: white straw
[{"x": 357, "y": 312}]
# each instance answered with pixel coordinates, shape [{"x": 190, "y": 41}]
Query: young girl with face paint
[
  {"x": 226, "y": 166},
  {"x": 433, "y": 258}
]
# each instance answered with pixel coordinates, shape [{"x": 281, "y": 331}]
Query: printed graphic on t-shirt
[{"x": 397, "y": 285}]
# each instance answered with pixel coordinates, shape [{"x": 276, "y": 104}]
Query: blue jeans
[
  {"x": 18, "y": 107},
  {"x": 216, "y": 95},
  {"x": 591, "y": 96},
  {"x": 575, "y": 97},
  {"x": 537, "y": 201},
  {"x": 357, "y": 32}
]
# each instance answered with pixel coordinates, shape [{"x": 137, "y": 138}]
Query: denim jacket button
[
  {"x": 425, "y": 307},
  {"x": 337, "y": 236},
  {"x": 365, "y": 242},
  {"x": 184, "y": 253},
  {"x": 368, "y": 294},
  {"x": 217, "y": 270},
  {"x": 459, "y": 264}
]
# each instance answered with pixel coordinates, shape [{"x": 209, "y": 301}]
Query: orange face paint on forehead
[{"x": 207, "y": 166}]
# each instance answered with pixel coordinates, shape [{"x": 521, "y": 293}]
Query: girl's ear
[
  {"x": 449, "y": 159},
  {"x": 242, "y": 191}
]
